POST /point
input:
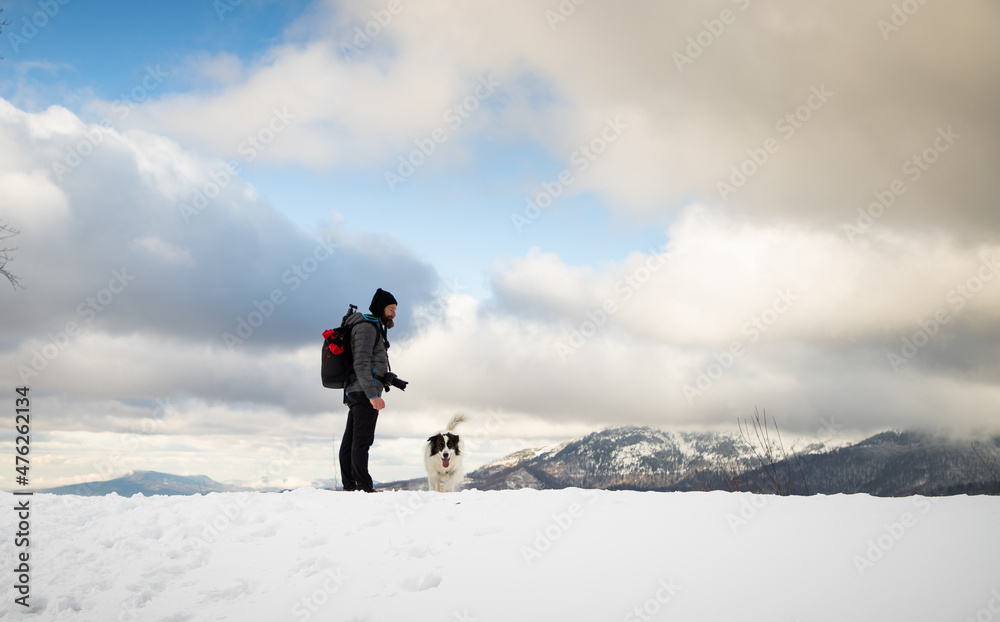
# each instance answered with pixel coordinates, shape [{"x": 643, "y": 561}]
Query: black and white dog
[{"x": 443, "y": 458}]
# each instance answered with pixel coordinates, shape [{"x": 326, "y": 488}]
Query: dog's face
[{"x": 446, "y": 445}]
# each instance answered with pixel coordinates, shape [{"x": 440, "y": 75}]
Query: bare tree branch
[
  {"x": 768, "y": 456},
  {"x": 6, "y": 231},
  {"x": 989, "y": 465},
  {"x": 4, "y": 22}
]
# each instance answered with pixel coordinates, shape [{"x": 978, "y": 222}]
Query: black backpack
[{"x": 337, "y": 362}]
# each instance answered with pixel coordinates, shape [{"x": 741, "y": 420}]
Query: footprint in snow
[
  {"x": 413, "y": 550},
  {"x": 421, "y": 582},
  {"x": 314, "y": 541}
]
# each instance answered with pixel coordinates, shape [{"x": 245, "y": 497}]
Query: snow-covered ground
[{"x": 506, "y": 556}]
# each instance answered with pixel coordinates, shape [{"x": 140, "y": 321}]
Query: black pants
[{"x": 358, "y": 438}]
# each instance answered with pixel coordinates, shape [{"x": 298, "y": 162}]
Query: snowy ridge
[
  {"x": 626, "y": 456},
  {"x": 645, "y": 458},
  {"x": 148, "y": 482}
]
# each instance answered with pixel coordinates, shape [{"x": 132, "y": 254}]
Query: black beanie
[{"x": 380, "y": 301}]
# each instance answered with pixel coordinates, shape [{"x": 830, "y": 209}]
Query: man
[{"x": 363, "y": 395}]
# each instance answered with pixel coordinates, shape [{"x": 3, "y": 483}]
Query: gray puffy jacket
[{"x": 371, "y": 361}]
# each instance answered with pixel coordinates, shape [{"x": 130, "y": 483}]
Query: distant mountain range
[
  {"x": 642, "y": 458},
  {"x": 147, "y": 483}
]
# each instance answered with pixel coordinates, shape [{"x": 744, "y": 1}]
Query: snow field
[{"x": 501, "y": 556}]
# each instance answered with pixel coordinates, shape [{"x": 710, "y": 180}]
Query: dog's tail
[{"x": 457, "y": 419}]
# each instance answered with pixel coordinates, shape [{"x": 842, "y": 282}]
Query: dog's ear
[{"x": 431, "y": 439}]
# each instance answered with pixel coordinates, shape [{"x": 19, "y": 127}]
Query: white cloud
[
  {"x": 168, "y": 252},
  {"x": 135, "y": 233},
  {"x": 857, "y": 115},
  {"x": 727, "y": 316},
  {"x": 34, "y": 200},
  {"x": 718, "y": 273}
]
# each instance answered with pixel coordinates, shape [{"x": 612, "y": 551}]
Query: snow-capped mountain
[
  {"x": 626, "y": 457},
  {"x": 643, "y": 458}
]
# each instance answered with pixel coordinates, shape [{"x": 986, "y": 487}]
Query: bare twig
[
  {"x": 802, "y": 473},
  {"x": 989, "y": 465},
  {"x": 6, "y": 231},
  {"x": 761, "y": 447},
  {"x": 769, "y": 454},
  {"x": 788, "y": 464},
  {"x": 4, "y": 22}
]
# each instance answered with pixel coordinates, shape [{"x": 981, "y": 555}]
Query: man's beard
[{"x": 387, "y": 321}]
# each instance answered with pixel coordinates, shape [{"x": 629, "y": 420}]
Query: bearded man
[{"x": 363, "y": 395}]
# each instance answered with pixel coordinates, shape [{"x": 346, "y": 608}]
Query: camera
[{"x": 392, "y": 380}]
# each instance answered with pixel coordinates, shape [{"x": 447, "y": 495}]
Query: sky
[{"x": 590, "y": 213}]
